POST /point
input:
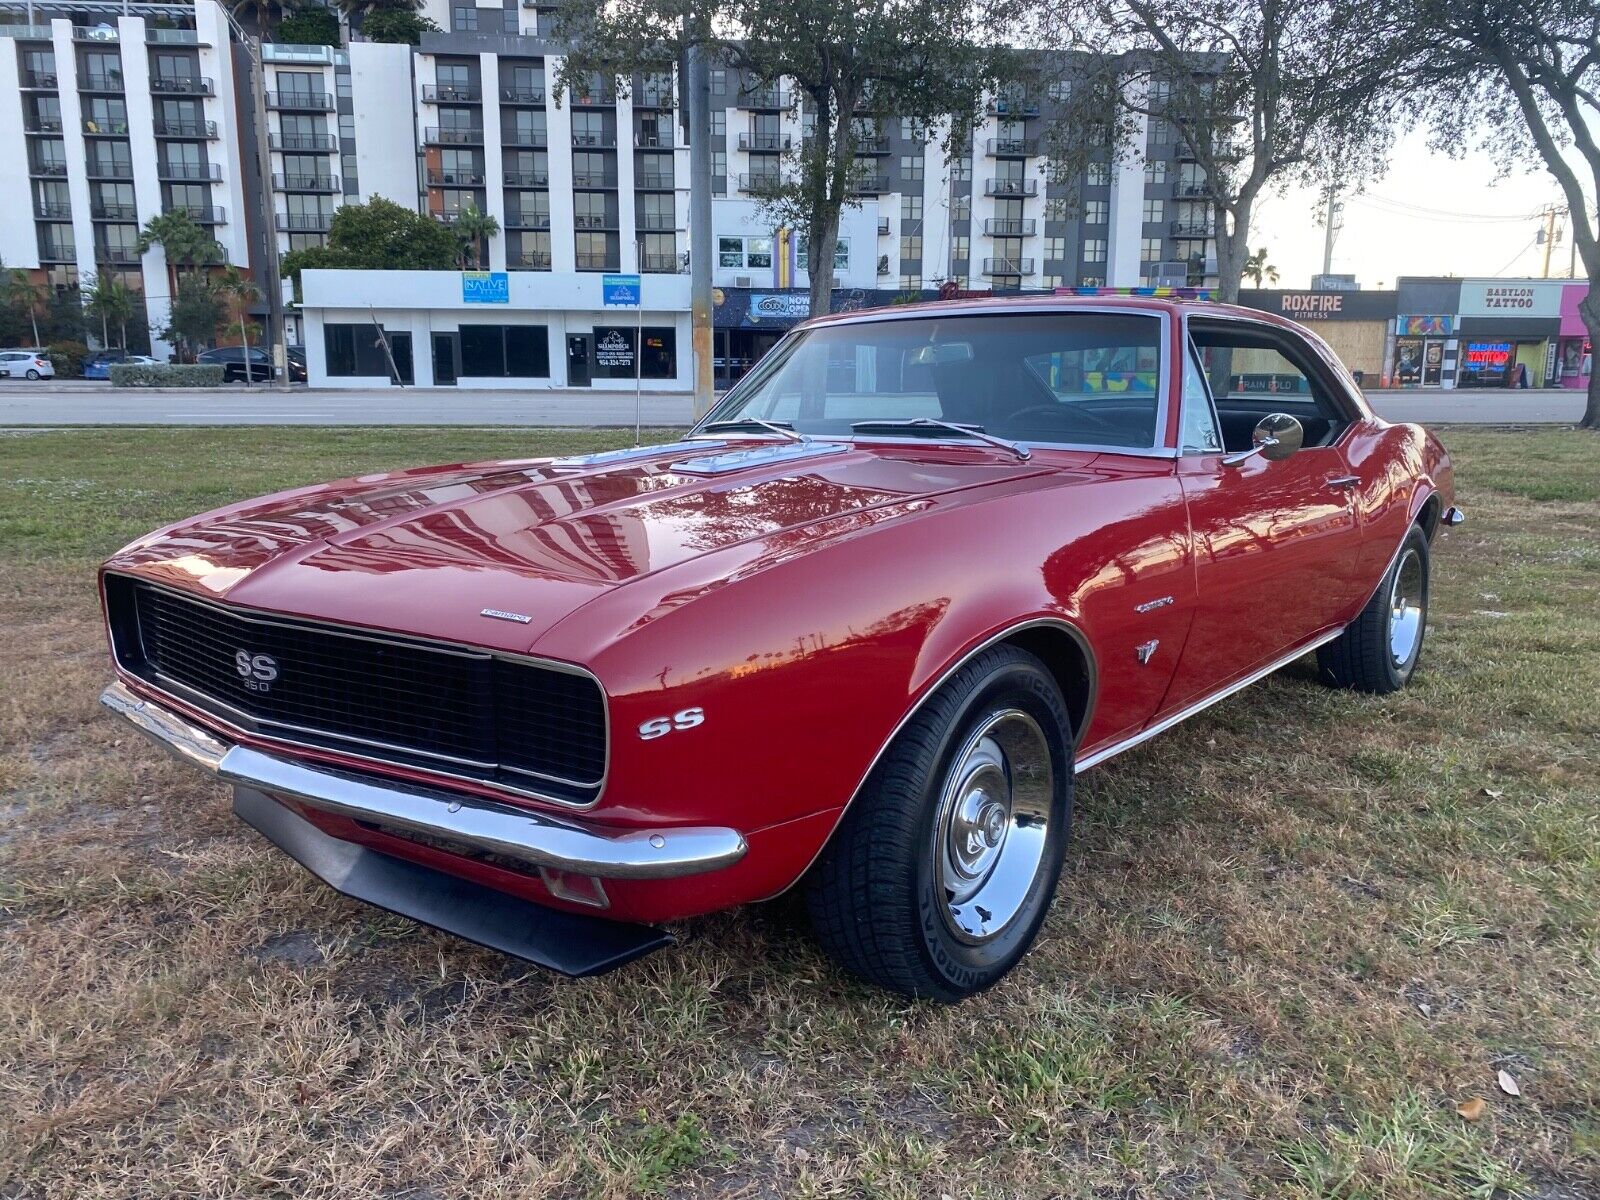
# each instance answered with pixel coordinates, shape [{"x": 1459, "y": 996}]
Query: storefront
[
  {"x": 1574, "y": 355},
  {"x": 1355, "y": 324},
  {"x": 1509, "y": 330},
  {"x": 1424, "y": 351},
  {"x": 747, "y": 323}
]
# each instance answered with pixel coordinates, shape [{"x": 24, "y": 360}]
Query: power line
[
  {"x": 1397, "y": 208},
  {"x": 1532, "y": 242}
]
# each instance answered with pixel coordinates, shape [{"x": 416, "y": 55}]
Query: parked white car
[{"x": 25, "y": 364}]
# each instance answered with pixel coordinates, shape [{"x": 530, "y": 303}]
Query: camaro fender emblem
[
  {"x": 1145, "y": 651},
  {"x": 1152, "y": 605},
  {"x": 685, "y": 718},
  {"x": 500, "y": 614},
  {"x": 258, "y": 671}
]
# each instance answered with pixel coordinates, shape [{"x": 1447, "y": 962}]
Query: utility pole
[
  {"x": 1334, "y": 209},
  {"x": 1548, "y": 236},
  {"x": 697, "y": 89}
]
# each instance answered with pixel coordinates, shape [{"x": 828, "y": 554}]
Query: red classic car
[{"x": 855, "y": 633}]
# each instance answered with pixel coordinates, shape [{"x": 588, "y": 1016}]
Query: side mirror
[{"x": 1276, "y": 437}]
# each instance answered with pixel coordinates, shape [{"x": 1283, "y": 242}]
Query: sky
[{"x": 1427, "y": 214}]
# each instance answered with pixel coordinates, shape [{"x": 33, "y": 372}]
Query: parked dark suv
[{"x": 234, "y": 369}]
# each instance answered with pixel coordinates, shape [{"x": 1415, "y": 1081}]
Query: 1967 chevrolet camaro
[{"x": 855, "y": 633}]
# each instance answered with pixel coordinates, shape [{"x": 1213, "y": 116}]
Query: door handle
[{"x": 1344, "y": 481}]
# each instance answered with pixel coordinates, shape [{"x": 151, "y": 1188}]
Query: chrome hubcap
[
  {"x": 994, "y": 814},
  {"x": 1405, "y": 609}
]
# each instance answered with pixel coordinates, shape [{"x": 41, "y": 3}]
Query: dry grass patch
[{"x": 1293, "y": 935}]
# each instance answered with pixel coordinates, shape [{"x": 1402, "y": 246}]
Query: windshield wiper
[
  {"x": 971, "y": 431},
  {"x": 782, "y": 430}
]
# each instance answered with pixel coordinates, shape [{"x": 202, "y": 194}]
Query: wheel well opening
[
  {"x": 1428, "y": 518},
  {"x": 1068, "y": 662}
]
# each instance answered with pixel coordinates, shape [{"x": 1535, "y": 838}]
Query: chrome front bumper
[{"x": 482, "y": 825}]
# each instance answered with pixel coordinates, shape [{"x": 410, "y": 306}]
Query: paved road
[{"x": 80, "y": 403}]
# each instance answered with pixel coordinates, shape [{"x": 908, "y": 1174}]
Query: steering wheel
[{"x": 1055, "y": 411}]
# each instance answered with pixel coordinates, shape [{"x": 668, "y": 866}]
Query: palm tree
[
  {"x": 239, "y": 292},
  {"x": 184, "y": 241},
  {"x": 108, "y": 298},
  {"x": 29, "y": 293},
  {"x": 472, "y": 228},
  {"x": 360, "y": 9},
  {"x": 267, "y": 13},
  {"x": 1258, "y": 269}
]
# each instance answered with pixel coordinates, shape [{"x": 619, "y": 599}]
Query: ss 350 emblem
[
  {"x": 686, "y": 718},
  {"x": 258, "y": 671}
]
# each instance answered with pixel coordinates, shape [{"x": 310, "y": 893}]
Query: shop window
[
  {"x": 614, "y": 348},
  {"x": 354, "y": 350},
  {"x": 505, "y": 351}
]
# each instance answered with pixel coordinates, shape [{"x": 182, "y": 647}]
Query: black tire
[
  {"x": 875, "y": 896},
  {"x": 1364, "y": 657},
  {"x": 32, "y": 374}
]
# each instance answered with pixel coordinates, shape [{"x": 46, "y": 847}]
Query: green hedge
[{"x": 195, "y": 375}]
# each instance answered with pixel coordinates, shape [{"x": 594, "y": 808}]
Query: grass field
[{"x": 1293, "y": 935}]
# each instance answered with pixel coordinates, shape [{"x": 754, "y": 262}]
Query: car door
[{"x": 1276, "y": 544}]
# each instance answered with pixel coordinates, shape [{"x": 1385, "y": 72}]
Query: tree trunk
[
  {"x": 1233, "y": 249},
  {"x": 1589, "y": 310},
  {"x": 244, "y": 336},
  {"x": 33, "y": 319}
]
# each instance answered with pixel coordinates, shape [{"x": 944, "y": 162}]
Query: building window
[
  {"x": 1150, "y": 250},
  {"x": 841, "y": 254},
  {"x": 1055, "y": 249},
  {"x": 719, "y": 122},
  {"x": 1091, "y": 281},
  {"x": 1059, "y": 89},
  {"x": 758, "y": 252},
  {"x": 1094, "y": 250},
  {"x": 911, "y": 247},
  {"x": 910, "y": 208},
  {"x": 961, "y": 207},
  {"x": 658, "y": 361},
  {"x": 719, "y": 81},
  {"x": 911, "y": 167},
  {"x": 911, "y": 283},
  {"x": 1155, "y": 171},
  {"x": 354, "y": 350},
  {"x": 1055, "y": 281},
  {"x": 960, "y": 249},
  {"x": 1097, "y": 174},
  {"x": 464, "y": 18},
  {"x": 1155, "y": 211},
  {"x": 719, "y": 164},
  {"x": 1096, "y": 212},
  {"x": 963, "y": 170},
  {"x": 1160, "y": 133},
  {"x": 1159, "y": 93},
  {"x": 1057, "y": 208},
  {"x": 505, "y": 351}
]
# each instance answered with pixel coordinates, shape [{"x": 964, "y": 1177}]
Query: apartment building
[{"x": 124, "y": 115}]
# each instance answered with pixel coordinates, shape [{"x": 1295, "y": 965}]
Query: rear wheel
[
  {"x": 1379, "y": 650},
  {"x": 938, "y": 878},
  {"x": 32, "y": 373}
]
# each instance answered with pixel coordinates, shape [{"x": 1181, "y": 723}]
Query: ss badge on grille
[{"x": 257, "y": 670}]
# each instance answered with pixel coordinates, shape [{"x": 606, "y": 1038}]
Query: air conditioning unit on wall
[{"x": 741, "y": 281}]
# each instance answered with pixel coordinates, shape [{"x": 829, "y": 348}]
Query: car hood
[{"x": 428, "y": 551}]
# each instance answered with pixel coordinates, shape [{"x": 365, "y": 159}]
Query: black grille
[{"x": 462, "y": 711}]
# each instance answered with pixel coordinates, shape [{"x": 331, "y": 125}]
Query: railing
[
  {"x": 290, "y": 52},
  {"x": 764, "y": 143},
  {"x": 301, "y": 101},
  {"x": 594, "y": 221},
  {"x": 52, "y": 212},
  {"x": 1009, "y": 226},
  {"x": 654, "y": 181},
  {"x": 1202, "y": 190},
  {"x": 516, "y": 95},
  {"x": 660, "y": 264},
  {"x": 186, "y": 129},
  {"x": 97, "y": 33},
  {"x": 43, "y": 125},
  {"x": 304, "y": 222},
  {"x": 527, "y": 220},
  {"x": 606, "y": 139},
  {"x": 57, "y": 251},
  {"x": 182, "y": 171},
  {"x": 593, "y": 179},
  {"x": 113, "y": 212},
  {"x": 46, "y": 80},
  {"x": 877, "y": 143},
  {"x": 27, "y": 33},
  {"x": 660, "y": 140},
  {"x": 538, "y": 139},
  {"x": 655, "y": 98},
  {"x": 182, "y": 85},
  {"x": 1008, "y": 266},
  {"x": 596, "y": 262},
  {"x": 316, "y": 143},
  {"x": 533, "y": 260},
  {"x": 96, "y": 81},
  {"x": 1011, "y": 187},
  {"x": 116, "y": 254},
  {"x": 760, "y": 181},
  {"x": 172, "y": 37},
  {"x": 769, "y": 98},
  {"x": 109, "y": 170},
  {"x": 527, "y": 179},
  {"x": 298, "y": 182},
  {"x": 659, "y": 222},
  {"x": 1024, "y": 147},
  {"x": 1192, "y": 229},
  {"x": 204, "y": 214},
  {"x": 1013, "y": 106},
  {"x": 50, "y": 170},
  {"x": 588, "y": 98},
  {"x": 104, "y": 128},
  {"x": 455, "y": 179},
  {"x": 451, "y": 93},
  {"x": 871, "y": 185}
]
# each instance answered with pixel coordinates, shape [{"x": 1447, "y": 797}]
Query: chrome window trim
[
  {"x": 264, "y": 617},
  {"x": 1193, "y": 352},
  {"x": 1161, "y": 314}
]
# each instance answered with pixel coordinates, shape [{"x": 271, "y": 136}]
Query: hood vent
[
  {"x": 608, "y": 457},
  {"x": 756, "y": 456}
]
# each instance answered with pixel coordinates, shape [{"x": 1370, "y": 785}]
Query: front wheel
[
  {"x": 1378, "y": 651},
  {"x": 941, "y": 873}
]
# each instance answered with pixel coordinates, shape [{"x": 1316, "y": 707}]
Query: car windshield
[{"x": 1078, "y": 378}]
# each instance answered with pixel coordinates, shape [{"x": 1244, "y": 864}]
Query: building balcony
[
  {"x": 186, "y": 172},
  {"x": 52, "y": 212},
  {"x": 596, "y": 262},
  {"x": 1197, "y": 191},
  {"x": 43, "y": 125},
  {"x": 658, "y": 140},
  {"x": 527, "y": 179},
  {"x": 606, "y": 139},
  {"x": 871, "y": 185},
  {"x": 874, "y": 144},
  {"x": 1013, "y": 107},
  {"x": 181, "y": 85},
  {"x": 660, "y": 264},
  {"x": 655, "y": 97},
  {"x": 451, "y": 93},
  {"x": 435, "y": 136},
  {"x": 173, "y": 37},
  {"x": 304, "y": 222},
  {"x": 537, "y": 139},
  {"x": 527, "y": 220},
  {"x": 763, "y": 143},
  {"x": 48, "y": 170},
  {"x": 1024, "y": 147},
  {"x": 40, "y": 81},
  {"x": 300, "y": 101},
  {"x": 116, "y": 254},
  {"x": 96, "y": 81},
  {"x": 1011, "y": 187},
  {"x": 654, "y": 181},
  {"x": 591, "y": 98},
  {"x": 1199, "y": 229},
  {"x": 526, "y": 96},
  {"x": 57, "y": 252},
  {"x": 288, "y": 52},
  {"x": 202, "y": 214},
  {"x": 113, "y": 212},
  {"x": 760, "y": 181},
  {"x": 27, "y": 33},
  {"x": 96, "y": 33},
  {"x": 110, "y": 170},
  {"x": 1008, "y": 266},
  {"x": 764, "y": 99},
  {"x": 455, "y": 179},
  {"x": 100, "y": 127},
  {"x": 594, "y": 180},
  {"x": 593, "y": 221},
  {"x": 186, "y": 129},
  {"x": 1009, "y": 226},
  {"x": 529, "y": 260},
  {"x": 304, "y": 143},
  {"x": 655, "y": 222},
  {"x": 296, "y": 182}
]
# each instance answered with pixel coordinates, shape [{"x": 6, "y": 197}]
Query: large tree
[
  {"x": 379, "y": 235},
  {"x": 1523, "y": 78},
  {"x": 848, "y": 63},
  {"x": 1258, "y": 94}
]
